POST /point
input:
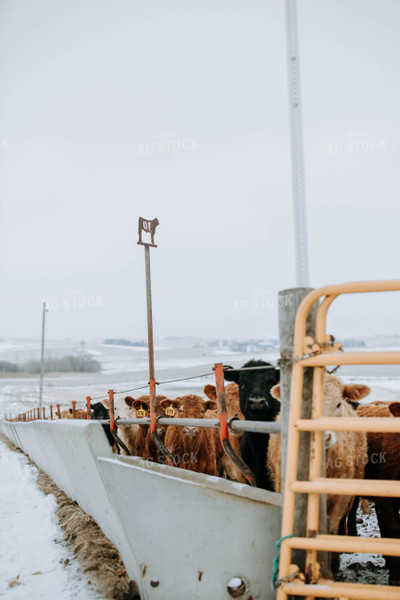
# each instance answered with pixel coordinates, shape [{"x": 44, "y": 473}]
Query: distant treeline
[
  {"x": 82, "y": 363},
  {"x": 353, "y": 343},
  {"x": 122, "y": 342}
]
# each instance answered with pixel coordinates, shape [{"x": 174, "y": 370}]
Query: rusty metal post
[
  {"x": 73, "y": 409},
  {"x": 58, "y": 411},
  {"x": 44, "y": 413},
  {"x": 111, "y": 410},
  {"x": 150, "y": 342},
  {"x": 51, "y": 412},
  {"x": 148, "y": 226},
  {"x": 37, "y": 413},
  {"x": 88, "y": 410},
  {"x": 223, "y": 427}
]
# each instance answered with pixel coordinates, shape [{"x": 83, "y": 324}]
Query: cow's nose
[
  {"x": 190, "y": 430},
  {"x": 257, "y": 402}
]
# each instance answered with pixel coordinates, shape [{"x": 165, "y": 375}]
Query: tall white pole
[
  {"x": 42, "y": 360},
  {"x": 297, "y": 153}
]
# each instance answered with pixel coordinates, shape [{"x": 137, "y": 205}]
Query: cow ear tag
[
  {"x": 170, "y": 411},
  {"x": 141, "y": 412}
]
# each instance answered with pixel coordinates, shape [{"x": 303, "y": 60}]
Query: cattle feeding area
[{"x": 219, "y": 454}]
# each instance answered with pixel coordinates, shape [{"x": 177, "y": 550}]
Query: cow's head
[
  {"x": 164, "y": 407},
  {"x": 194, "y": 407},
  {"x": 338, "y": 398},
  {"x": 256, "y": 402},
  {"x": 99, "y": 411}
]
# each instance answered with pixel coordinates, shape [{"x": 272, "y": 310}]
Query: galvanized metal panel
[{"x": 193, "y": 532}]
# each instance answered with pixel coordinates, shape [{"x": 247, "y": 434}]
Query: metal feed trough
[{"x": 180, "y": 534}]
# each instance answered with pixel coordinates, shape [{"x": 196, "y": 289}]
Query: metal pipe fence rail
[
  {"x": 318, "y": 353},
  {"x": 222, "y": 424}
]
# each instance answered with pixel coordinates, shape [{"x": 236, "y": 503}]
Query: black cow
[
  {"x": 256, "y": 404},
  {"x": 100, "y": 412}
]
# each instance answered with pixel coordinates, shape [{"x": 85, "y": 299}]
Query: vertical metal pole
[
  {"x": 112, "y": 413},
  {"x": 88, "y": 411},
  {"x": 153, "y": 416},
  {"x": 51, "y": 412},
  {"x": 42, "y": 358},
  {"x": 73, "y": 408},
  {"x": 58, "y": 411},
  {"x": 297, "y": 152}
]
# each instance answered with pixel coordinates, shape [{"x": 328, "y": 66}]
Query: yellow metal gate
[{"x": 318, "y": 354}]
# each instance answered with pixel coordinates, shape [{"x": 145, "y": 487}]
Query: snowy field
[{"x": 125, "y": 368}]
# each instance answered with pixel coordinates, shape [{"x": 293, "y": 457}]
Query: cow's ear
[
  {"x": 231, "y": 375},
  {"x": 394, "y": 408},
  {"x": 355, "y": 391},
  {"x": 106, "y": 403},
  {"x": 70, "y": 411},
  {"x": 210, "y": 391},
  {"x": 276, "y": 391},
  {"x": 129, "y": 400},
  {"x": 277, "y": 375},
  {"x": 210, "y": 405}
]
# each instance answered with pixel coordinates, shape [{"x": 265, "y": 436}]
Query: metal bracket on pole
[{"x": 224, "y": 430}]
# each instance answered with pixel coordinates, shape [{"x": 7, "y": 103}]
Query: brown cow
[
  {"x": 384, "y": 463},
  {"x": 345, "y": 458},
  {"x": 127, "y": 433},
  {"x": 226, "y": 467},
  {"x": 194, "y": 448},
  {"x": 79, "y": 414},
  {"x": 145, "y": 445}
]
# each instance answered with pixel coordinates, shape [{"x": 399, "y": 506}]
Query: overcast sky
[{"x": 178, "y": 109}]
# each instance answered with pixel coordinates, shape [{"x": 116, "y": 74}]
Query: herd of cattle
[{"x": 255, "y": 395}]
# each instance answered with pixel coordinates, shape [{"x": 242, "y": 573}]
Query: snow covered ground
[{"x": 34, "y": 563}]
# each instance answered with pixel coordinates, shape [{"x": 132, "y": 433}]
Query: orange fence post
[
  {"x": 73, "y": 408},
  {"x": 58, "y": 411},
  {"x": 112, "y": 418},
  {"x": 44, "y": 413},
  {"x": 88, "y": 410},
  {"x": 51, "y": 412},
  {"x": 223, "y": 427}
]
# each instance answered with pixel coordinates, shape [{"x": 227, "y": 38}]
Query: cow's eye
[
  {"x": 339, "y": 405},
  {"x": 202, "y": 411},
  {"x": 181, "y": 409}
]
